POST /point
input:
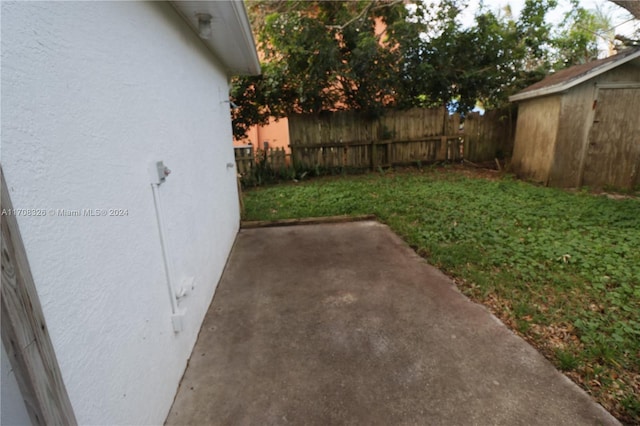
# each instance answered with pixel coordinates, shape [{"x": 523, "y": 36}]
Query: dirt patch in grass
[{"x": 484, "y": 171}]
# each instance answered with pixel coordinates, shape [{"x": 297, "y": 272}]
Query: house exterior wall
[
  {"x": 576, "y": 118},
  {"x": 274, "y": 132},
  {"x": 93, "y": 93},
  {"x": 536, "y": 133}
]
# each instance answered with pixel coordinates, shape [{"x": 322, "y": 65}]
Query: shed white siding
[{"x": 92, "y": 94}]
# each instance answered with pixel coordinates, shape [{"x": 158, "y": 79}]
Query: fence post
[
  {"x": 345, "y": 156},
  {"x": 373, "y": 154},
  {"x": 388, "y": 153},
  {"x": 442, "y": 152}
]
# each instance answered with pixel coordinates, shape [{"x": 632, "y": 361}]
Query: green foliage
[
  {"x": 577, "y": 41},
  {"x": 566, "y": 360},
  {"x": 327, "y": 55},
  {"x": 507, "y": 55},
  {"x": 320, "y": 56},
  {"x": 265, "y": 172},
  {"x": 555, "y": 259},
  {"x": 261, "y": 173}
]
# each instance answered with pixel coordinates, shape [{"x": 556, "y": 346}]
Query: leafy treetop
[{"x": 368, "y": 55}]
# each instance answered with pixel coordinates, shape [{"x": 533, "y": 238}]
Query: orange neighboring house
[{"x": 275, "y": 134}]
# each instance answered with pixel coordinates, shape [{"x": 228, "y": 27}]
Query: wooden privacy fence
[
  {"x": 247, "y": 159},
  {"x": 385, "y": 153},
  {"x": 347, "y": 139},
  {"x": 490, "y": 135}
]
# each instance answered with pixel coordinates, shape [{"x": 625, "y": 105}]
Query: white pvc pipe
[{"x": 168, "y": 270}]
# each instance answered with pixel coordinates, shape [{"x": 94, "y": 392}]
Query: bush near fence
[{"x": 257, "y": 167}]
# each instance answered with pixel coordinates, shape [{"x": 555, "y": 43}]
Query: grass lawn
[{"x": 562, "y": 269}]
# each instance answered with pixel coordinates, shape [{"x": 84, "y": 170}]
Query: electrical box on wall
[
  {"x": 177, "y": 320},
  {"x": 159, "y": 172},
  {"x": 163, "y": 171}
]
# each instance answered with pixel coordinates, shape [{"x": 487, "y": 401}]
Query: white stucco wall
[{"x": 92, "y": 94}]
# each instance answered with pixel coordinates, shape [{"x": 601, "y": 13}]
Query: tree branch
[
  {"x": 363, "y": 13},
  {"x": 633, "y": 6}
]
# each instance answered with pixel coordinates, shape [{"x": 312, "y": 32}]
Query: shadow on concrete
[{"x": 343, "y": 324}]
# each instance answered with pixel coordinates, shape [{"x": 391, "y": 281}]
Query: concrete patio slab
[{"x": 343, "y": 324}]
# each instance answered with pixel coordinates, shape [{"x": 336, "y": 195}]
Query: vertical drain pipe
[{"x": 176, "y": 315}]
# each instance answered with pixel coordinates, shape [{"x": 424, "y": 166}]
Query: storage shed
[{"x": 581, "y": 126}]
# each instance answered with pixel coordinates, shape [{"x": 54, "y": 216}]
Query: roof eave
[
  {"x": 538, "y": 93},
  {"x": 231, "y": 40},
  {"x": 253, "y": 67},
  {"x": 564, "y": 86}
]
